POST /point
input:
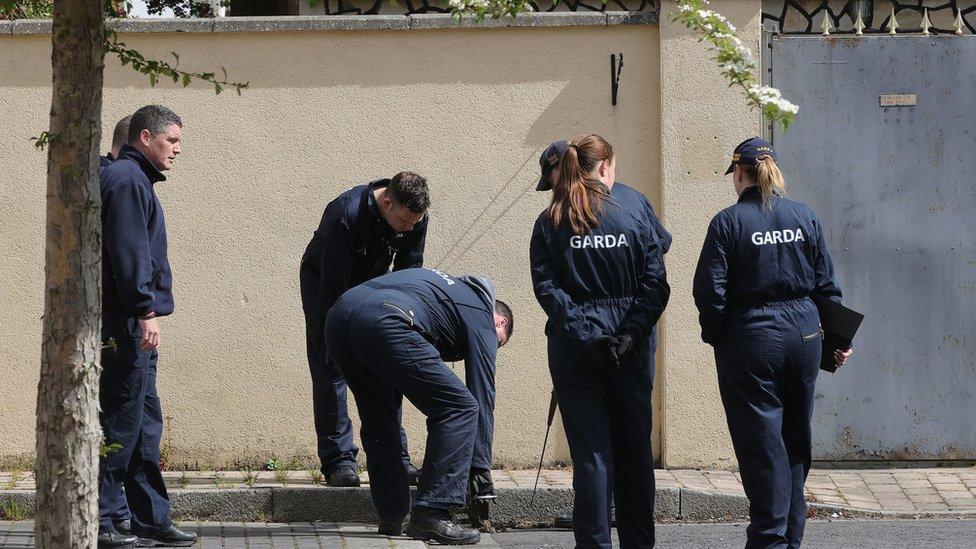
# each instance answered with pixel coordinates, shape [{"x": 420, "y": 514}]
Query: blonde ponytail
[{"x": 770, "y": 180}]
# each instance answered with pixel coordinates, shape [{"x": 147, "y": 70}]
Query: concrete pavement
[{"x": 694, "y": 495}]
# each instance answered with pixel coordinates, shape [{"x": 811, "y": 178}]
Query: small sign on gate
[{"x": 899, "y": 100}]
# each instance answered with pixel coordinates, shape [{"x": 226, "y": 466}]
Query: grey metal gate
[{"x": 884, "y": 150}]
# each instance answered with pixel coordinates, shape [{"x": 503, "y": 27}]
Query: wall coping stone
[{"x": 348, "y": 22}]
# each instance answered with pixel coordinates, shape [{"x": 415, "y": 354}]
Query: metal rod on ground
[{"x": 552, "y": 414}]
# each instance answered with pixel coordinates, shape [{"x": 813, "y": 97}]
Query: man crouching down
[{"x": 390, "y": 337}]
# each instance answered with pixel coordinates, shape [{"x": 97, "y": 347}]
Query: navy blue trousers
[
  {"x": 607, "y": 418},
  {"x": 333, "y": 429},
  {"x": 768, "y": 360},
  {"x": 130, "y": 484},
  {"x": 383, "y": 355}
]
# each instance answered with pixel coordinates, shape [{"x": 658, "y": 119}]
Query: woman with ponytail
[
  {"x": 597, "y": 258},
  {"x": 762, "y": 260}
]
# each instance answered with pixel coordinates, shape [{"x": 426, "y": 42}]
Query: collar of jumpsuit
[
  {"x": 374, "y": 207},
  {"x": 749, "y": 193}
]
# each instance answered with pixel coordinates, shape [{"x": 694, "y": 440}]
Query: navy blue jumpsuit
[
  {"x": 352, "y": 244},
  {"x": 608, "y": 281},
  {"x": 391, "y": 336},
  {"x": 752, "y": 288},
  {"x": 136, "y": 280}
]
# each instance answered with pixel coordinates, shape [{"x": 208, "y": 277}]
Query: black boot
[
  {"x": 344, "y": 476},
  {"x": 413, "y": 475},
  {"x": 170, "y": 536},
  {"x": 108, "y": 540},
  {"x": 437, "y": 524}
]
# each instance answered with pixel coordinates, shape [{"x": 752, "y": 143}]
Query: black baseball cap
[
  {"x": 748, "y": 152},
  {"x": 549, "y": 161}
]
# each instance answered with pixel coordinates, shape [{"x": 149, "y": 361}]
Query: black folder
[{"x": 839, "y": 326}]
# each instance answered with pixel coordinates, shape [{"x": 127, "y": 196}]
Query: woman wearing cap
[
  {"x": 761, "y": 261},
  {"x": 598, "y": 272}
]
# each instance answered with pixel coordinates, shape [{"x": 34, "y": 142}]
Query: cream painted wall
[
  {"x": 469, "y": 109},
  {"x": 702, "y": 120}
]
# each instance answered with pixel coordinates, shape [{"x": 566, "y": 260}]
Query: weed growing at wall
[{"x": 12, "y": 509}]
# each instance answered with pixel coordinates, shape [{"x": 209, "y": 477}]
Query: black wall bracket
[{"x": 616, "y": 67}]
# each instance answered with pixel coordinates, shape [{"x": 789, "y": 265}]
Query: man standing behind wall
[
  {"x": 137, "y": 288},
  {"x": 362, "y": 232}
]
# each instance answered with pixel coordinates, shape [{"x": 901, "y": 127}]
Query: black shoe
[
  {"x": 344, "y": 476},
  {"x": 170, "y": 536},
  {"x": 413, "y": 475},
  {"x": 125, "y": 527},
  {"x": 390, "y": 527},
  {"x": 115, "y": 539},
  {"x": 437, "y": 524}
]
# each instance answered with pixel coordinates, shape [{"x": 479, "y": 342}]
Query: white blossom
[{"x": 766, "y": 95}]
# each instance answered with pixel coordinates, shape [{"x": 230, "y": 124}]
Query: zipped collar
[{"x": 150, "y": 169}]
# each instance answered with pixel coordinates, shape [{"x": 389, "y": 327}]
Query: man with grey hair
[
  {"x": 136, "y": 289},
  {"x": 119, "y": 138}
]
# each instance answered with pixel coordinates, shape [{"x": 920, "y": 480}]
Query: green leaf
[
  {"x": 218, "y": 88},
  {"x": 186, "y": 80},
  {"x": 153, "y": 78},
  {"x": 109, "y": 449}
]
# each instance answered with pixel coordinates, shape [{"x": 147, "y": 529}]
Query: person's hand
[
  {"x": 841, "y": 356},
  {"x": 625, "y": 347},
  {"x": 150, "y": 334},
  {"x": 602, "y": 352}
]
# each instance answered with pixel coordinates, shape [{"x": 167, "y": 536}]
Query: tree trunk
[{"x": 68, "y": 432}]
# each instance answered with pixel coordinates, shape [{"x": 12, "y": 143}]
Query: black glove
[
  {"x": 602, "y": 352},
  {"x": 480, "y": 483},
  {"x": 626, "y": 346}
]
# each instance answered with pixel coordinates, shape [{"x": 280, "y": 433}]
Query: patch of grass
[
  {"x": 16, "y": 475},
  {"x": 250, "y": 478},
  {"x": 183, "y": 481},
  {"x": 12, "y": 509},
  {"x": 280, "y": 469},
  {"x": 282, "y": 475},
  {"x": 315, "y": 476},
  {"x": 221, "y": 482},
  {"x": 249, "y": 464}
]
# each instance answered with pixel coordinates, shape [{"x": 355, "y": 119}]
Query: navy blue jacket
[
  {"x": 621, "y": 259},
  {"x": 104, "y": 161},
  {"x": 458, "y": 319},
  {"x": 354, "y": 244},
  {"x": 136, "y": 277},
  {"x": 752, "y": 256}
]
